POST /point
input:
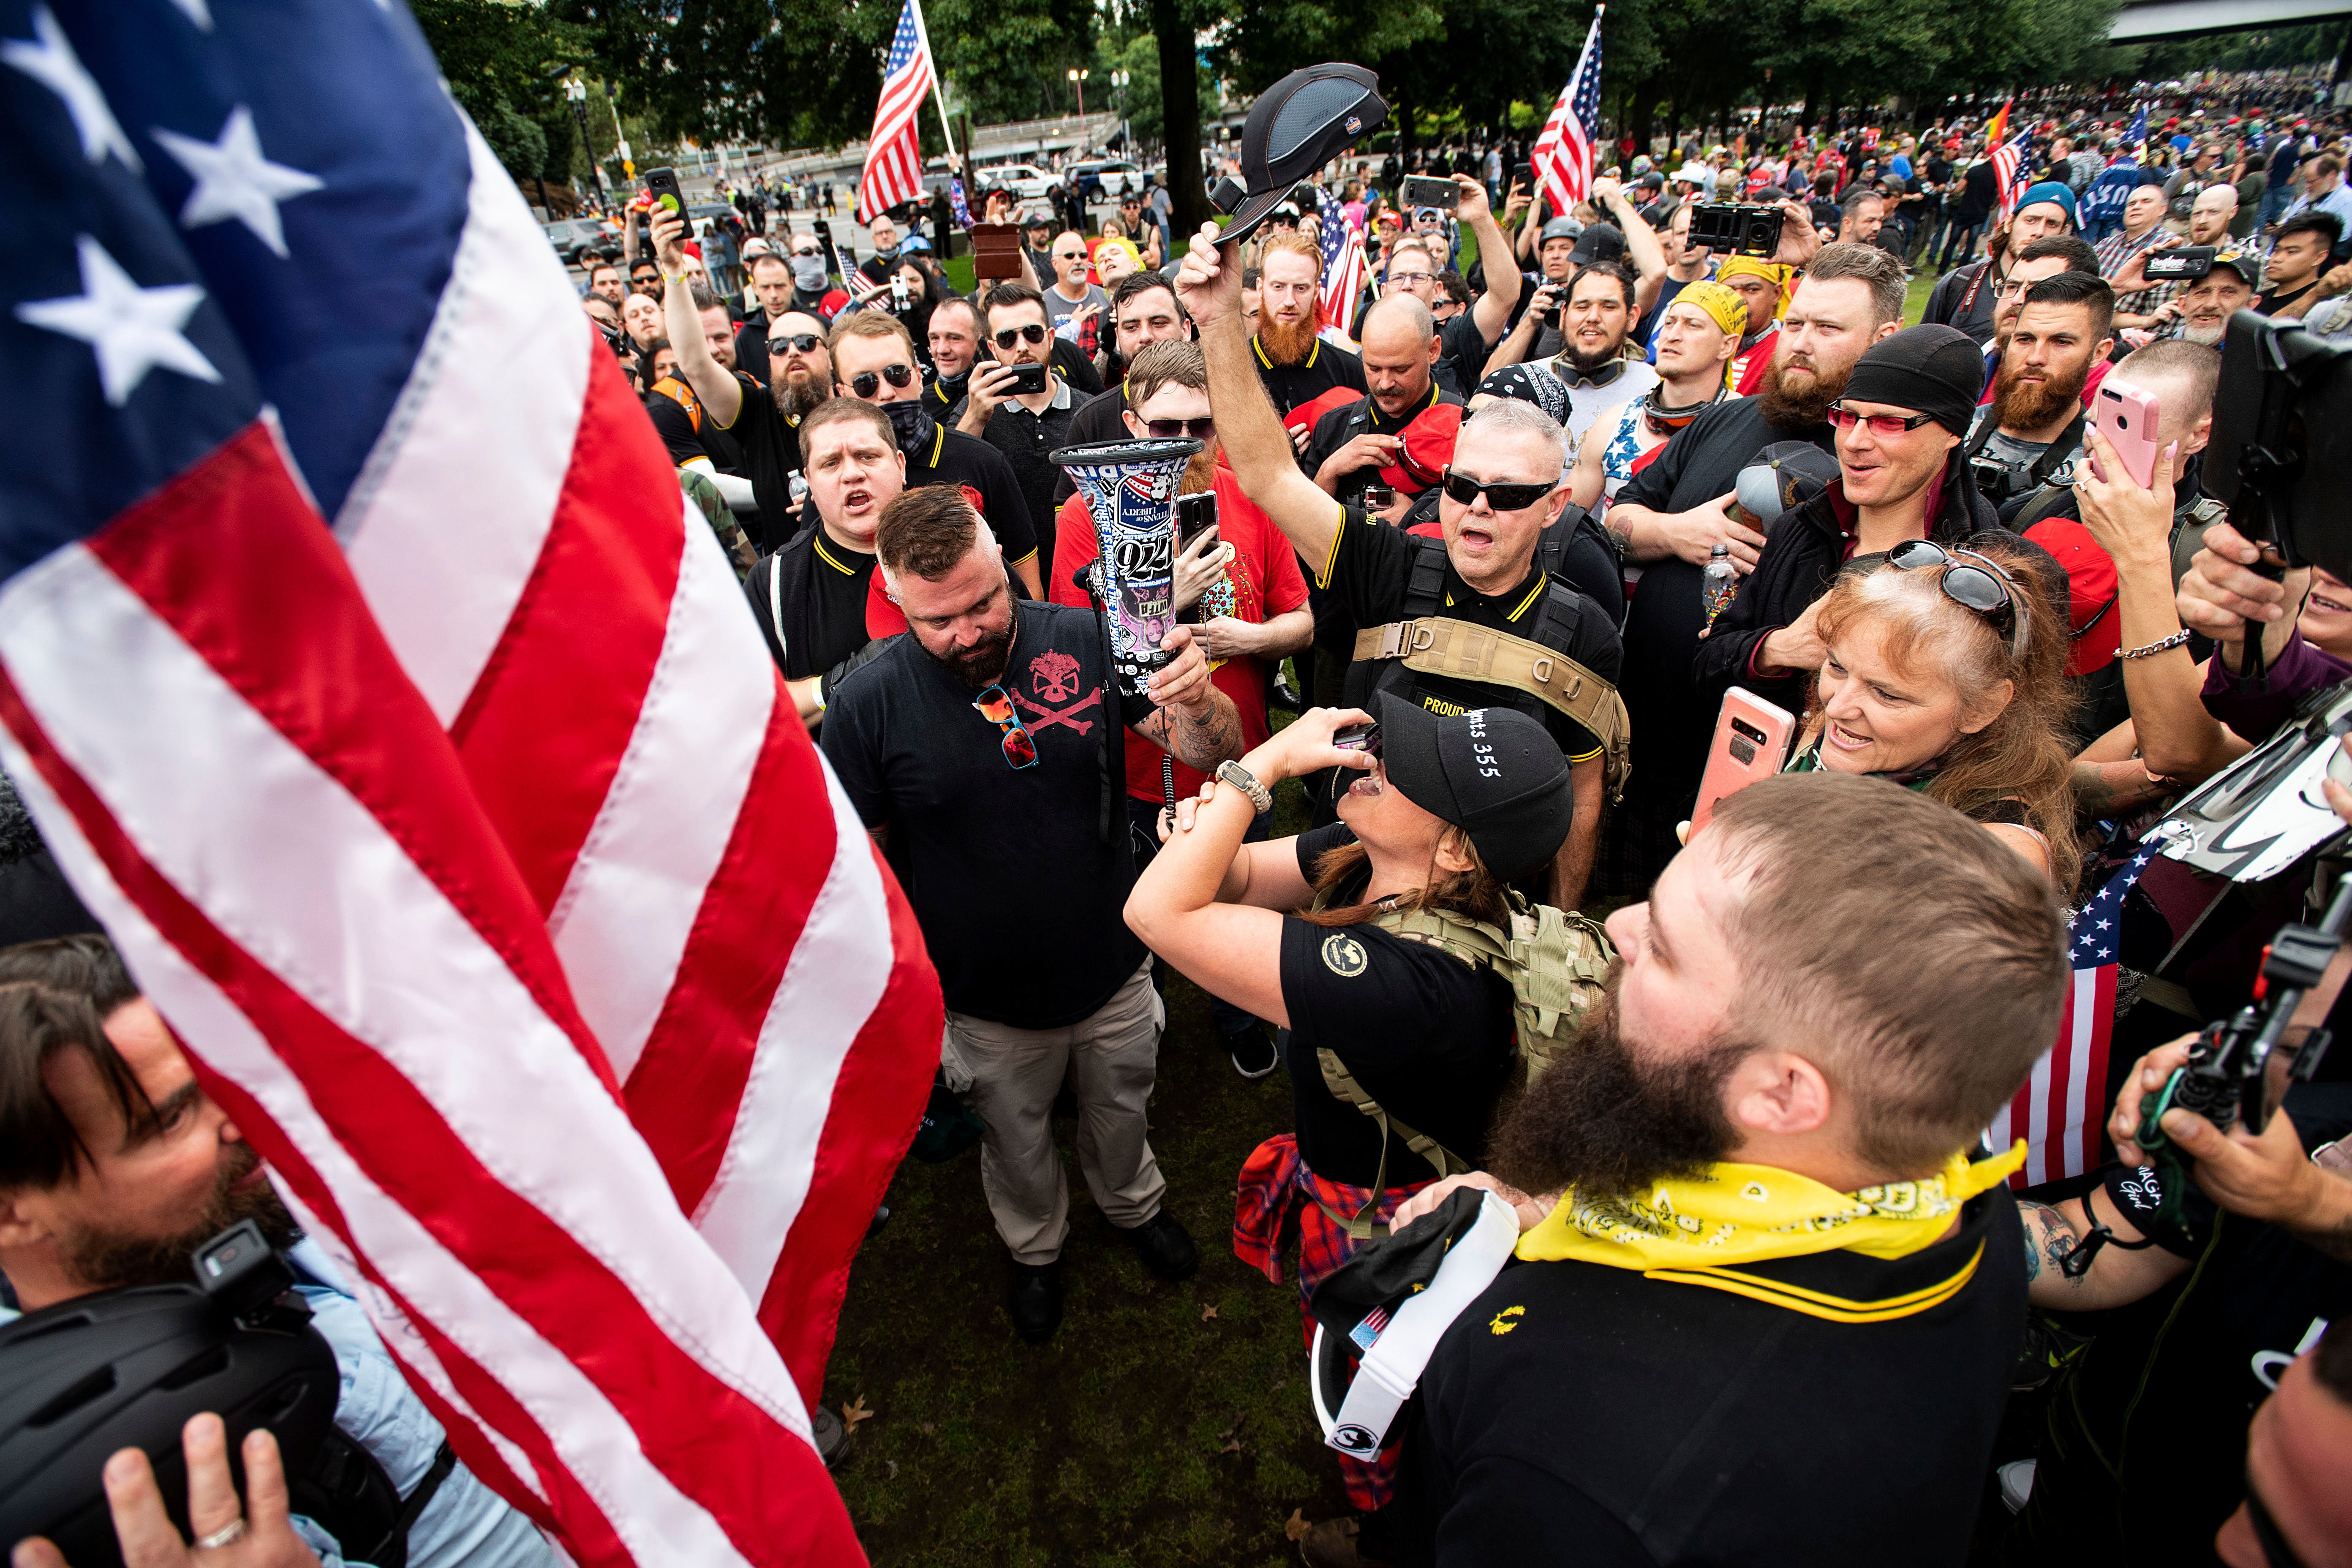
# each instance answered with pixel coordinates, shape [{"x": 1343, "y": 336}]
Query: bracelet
[
  {"x": 1242, "y": 779},
  {"x": 2159, "y": 646}
]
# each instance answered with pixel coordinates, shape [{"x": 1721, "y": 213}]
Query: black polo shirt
[
  {"x": 1462, "y": 350},
  {"x": 956, "y": 458},
  {"x": 1362, "y": 417},
  {"x": 1324, "y": 368},
  {"x": 1794, "y": 1412},
  {"x": 687, "y": 436},
  {"x": 1026, "y": 440},
  {"x": 809, "y": 600},
  {"x": 772, "y": 455},
  {"x": 1368, "y": 574}
]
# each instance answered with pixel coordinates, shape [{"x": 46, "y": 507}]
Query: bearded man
[
  {"x": 2032, "y": 432},
  {"x": 973, "y": 748},
  {"x": 1760, "y": 1244},
  {"x": 1294, "y": 364}
]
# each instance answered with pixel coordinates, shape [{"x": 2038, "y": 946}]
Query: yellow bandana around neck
[{"x": 1747, "y": 1214}]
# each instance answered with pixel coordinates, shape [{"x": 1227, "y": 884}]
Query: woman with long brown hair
[
  {"x": 1945, "y": 672},
  {"x": 1397, "y": 1039}
]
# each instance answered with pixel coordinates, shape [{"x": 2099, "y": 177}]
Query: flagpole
[{"x": 938, "y": 95}]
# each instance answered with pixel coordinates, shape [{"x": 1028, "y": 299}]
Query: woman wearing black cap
[
  {"x": 1906, "y": 407},
  {"x": 1382, "y": 1023}
]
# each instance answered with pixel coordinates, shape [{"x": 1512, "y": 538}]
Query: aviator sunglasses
[
  {"x": 1984, "y": 587},
  {"x": 995, "y": 705},
  {"x": 867, "y": 383}
]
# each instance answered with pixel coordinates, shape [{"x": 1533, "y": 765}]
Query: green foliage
[
  {"x": 520, "y": 144},
  {"x": 506, "y": 65},
  {"x": 1140, "y": 59}
]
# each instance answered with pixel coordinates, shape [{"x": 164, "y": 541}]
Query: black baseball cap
[
  {"x": 1598, "y": 242},
  {"x": 1294, "y": 127},
  {"x": 1495, "y": 773}
]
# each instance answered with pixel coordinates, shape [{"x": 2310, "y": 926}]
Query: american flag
[
  {"x": 2007, "y": 160},
  {"x": 1343, "y": 267},
  {"x": 2059, "y": 1110},
  {"x": 368, "y": 673},
  {"x": 1563, "y": 153},
  {"x": 2136, "y": 137},
  {"x": 894, "y": 153}
]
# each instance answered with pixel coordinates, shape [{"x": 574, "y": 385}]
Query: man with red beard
[
  {"x": 115, "y": 1166},
  {"x": 1252, "y": 599},
  {"x": 1293, "y": 364},
  {"x": 2032, "y": 432},
  {"x": 1670, "y": 516},
  {"x": 974, "y": 748}
]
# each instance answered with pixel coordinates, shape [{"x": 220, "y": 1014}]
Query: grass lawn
[{"x": 1162, "y": 1425}]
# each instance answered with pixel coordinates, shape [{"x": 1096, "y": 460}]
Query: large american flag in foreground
[
  {"x": 1563, "y": 153},
  {"x": 367, "y": 671},
  {"x": 894, "y": 153},
  {"x": 2063, "y": 1102}
]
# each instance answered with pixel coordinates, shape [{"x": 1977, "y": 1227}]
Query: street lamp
[
  {"x": 577, "y": 92},
  {"x": 1119, "y": 79},
  {"x": 1079, "y": 77}
]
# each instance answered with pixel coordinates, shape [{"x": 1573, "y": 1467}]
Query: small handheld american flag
[
  {"x": 1343, "y": 267},
  {"x": 1563, "y": 154},
  {"x": 2007, "y": 160}
]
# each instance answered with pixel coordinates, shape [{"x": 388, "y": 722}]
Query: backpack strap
[
  {"x": 678, "y": 392},
  {"x": 1424, "y": 585},
  {"x": 1440, "y": 645},
  {"x": 1344, "y": 1088}
]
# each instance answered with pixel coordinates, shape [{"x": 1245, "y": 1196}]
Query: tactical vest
[
  {"x": 1554, "y": 963},
  {"x": 1535, "y": 667}
]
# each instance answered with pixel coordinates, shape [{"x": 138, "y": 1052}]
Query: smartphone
[
  {"x": 2126, "y": 415},
  {"x": 1365, "y": 737},
  {"x": 1737, "y": 228},
  {"x": 1751, "y": 741},
  {"x": 899, "y": 295},
  {"x": 661, "y": 184},
  {"x": 1524, "y": 176},
  {"x": 1028, "y": 380},
  {"x": 1419, "y": 190},
  {"x": 2181, "y": 264},
  {"x": 1195, "y": 515}
]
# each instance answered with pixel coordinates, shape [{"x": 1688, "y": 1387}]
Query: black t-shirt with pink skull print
[{"x": 1018, "y": 894}]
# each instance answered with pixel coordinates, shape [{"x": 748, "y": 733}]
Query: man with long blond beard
[
  {"x": 1295, "y": 366},
  {"x": 1670, "y": 516},
  {"x": 1252, "y": 598}
]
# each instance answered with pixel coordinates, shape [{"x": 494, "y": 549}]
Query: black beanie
[{"x": 1931, "y": 370}]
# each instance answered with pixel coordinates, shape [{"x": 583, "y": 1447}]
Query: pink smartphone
[
  {"x": 1751, "y": 742},
  {"x": 2126, "y": 415}
]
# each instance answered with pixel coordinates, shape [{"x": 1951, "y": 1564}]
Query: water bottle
[{"x": 1719, "y": 582}]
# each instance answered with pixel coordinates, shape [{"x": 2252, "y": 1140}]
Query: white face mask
[{"x": 808, "y": 271}]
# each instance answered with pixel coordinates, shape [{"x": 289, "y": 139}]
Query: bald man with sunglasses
[{"x": 1418, "y": 608}]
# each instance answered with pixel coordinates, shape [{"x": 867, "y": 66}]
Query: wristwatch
[{"x": 1242, "y": 779}]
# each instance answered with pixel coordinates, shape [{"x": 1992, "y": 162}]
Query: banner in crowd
[{"x": 373, "y": 680}]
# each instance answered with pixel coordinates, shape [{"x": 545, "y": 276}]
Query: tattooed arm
[
  {"x": 1199, "y": 737},
  {"x": 2116, "y": 1278}
]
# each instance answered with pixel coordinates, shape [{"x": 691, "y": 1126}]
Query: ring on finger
[{"x": 226, "y": 1535}]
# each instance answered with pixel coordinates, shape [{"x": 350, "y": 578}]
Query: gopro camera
[
  {"x": 1738, "y": 228},
  {"x": 2184, "y": 263}
]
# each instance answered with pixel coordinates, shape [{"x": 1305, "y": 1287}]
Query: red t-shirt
[{"x": 1265, "y": 581}]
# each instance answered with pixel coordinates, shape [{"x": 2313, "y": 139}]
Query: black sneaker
[
  {"x": 1166, "y": 1249},
  {"x": 1035, "y": 1300},
  {"x": 832, "y": 1438},
  {"x": 1252, "y": 1049}
]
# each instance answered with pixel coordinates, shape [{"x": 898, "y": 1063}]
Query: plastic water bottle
[{"x": 1719, "y": 582}]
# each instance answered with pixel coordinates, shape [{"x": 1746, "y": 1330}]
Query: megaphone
[{"x": 1131, "y": 488}]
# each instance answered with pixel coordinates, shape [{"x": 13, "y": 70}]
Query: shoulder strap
[
  {"x": 1440, "y": 645},
  {"x": 776, "y": 600},
  {"x": 678, "y": 392},
  {"x": 1424, "y": 586}
]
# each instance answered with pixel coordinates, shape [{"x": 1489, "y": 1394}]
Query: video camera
[
  {"x": 128, "y": 1368},
  {"x": 2281, "y": 451},
  {"x": 1738, "y": 228}
]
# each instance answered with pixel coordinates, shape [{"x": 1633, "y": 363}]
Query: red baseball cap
[
  {"x": 1428, "y": 448},
  {"x": 1304, "y": 416},
  {"x": 2091, "y": 613}
]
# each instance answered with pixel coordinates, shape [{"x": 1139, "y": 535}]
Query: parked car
[
  {"x": 1026, "y": 181},
  {"x": 570, "y": 236},
  {"x": 1107, "y": 179}
]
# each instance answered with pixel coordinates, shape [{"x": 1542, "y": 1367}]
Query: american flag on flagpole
[
  {"x": 1343, "y": 268},
  {"x": 1563, "y": 153},
  {"x": 2136, "y": 137},
  {"x": 2060, "y": 1108},
  {"x": 374, "y": 684},
  {"x": 2008, "y": 159},
  {"x": 894, "y": 153}
]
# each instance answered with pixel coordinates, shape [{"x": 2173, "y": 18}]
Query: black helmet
[{"x": 126, "y": 1369}]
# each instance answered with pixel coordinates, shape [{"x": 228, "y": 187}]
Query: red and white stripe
[
  {"x": 1553, "y": 158},
  {"x": 502, "y": 900},
  {"x": 1341, "y": 285},
  {"x": 2059, "y": 1108},
  {"x": 894, "y": 152}
]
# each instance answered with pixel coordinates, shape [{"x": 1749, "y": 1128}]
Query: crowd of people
[{"x": 1503, "y": 535}]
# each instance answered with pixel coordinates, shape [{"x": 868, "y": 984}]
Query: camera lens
[{"x": 2122, "y": 422}]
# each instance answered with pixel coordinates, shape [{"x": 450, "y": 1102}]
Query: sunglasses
[
  {"x": 1020, "y": 746},
  {"x": 1502, "y": 497},
  {"x": 1031, "y": 334},
  {"x": 1169, "y": 429},
  {"x": 798, "y": 343},
  {"x": 1984, "y": 587},
  {"x": 867, "y": 384},
  {"x": 1845, "y": 419}
]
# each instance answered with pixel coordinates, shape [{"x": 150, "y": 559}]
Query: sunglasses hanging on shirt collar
[{"x": 1663, "y": 420}]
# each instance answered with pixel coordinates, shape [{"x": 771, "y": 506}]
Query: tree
[{"x": 506, "y": 65}]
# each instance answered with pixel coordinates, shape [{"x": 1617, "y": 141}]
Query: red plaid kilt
[{"x": 1279, "y": 1200}]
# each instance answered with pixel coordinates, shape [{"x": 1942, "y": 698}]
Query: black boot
[
  {"x": 1166, "y": 1249},
  {"x": 1035, "y": 1300}
]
